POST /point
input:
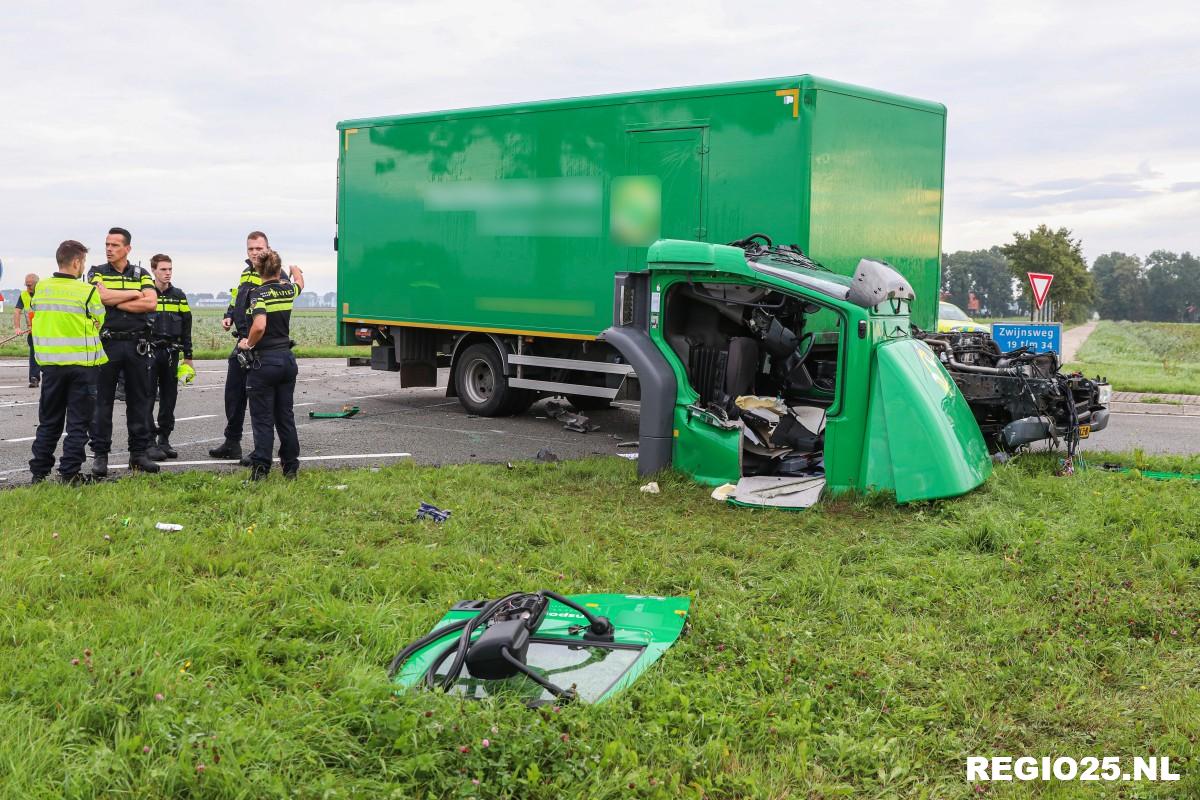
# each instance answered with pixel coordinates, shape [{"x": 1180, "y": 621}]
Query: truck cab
[{"x": 765, "y": 374}]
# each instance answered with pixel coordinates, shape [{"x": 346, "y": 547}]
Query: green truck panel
[{"x": 516, "y": 218}]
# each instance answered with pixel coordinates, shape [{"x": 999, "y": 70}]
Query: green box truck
[{"x": 566, "y": 248}]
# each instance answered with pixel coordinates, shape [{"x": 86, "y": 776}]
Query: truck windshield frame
[{"x": 826, "y": 284}]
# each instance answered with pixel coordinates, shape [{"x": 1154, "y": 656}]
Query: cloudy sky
[{"x": 191, "y": 126}]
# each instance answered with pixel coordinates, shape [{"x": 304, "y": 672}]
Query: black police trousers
[
  {"x": 164, "y": 382},
  {"x": 123, "y": 359},
  {"x": 34, "y": 369},
  {"x": 68, "y": 396},
  {"x": 235, "y": 399},
  {"x": 270, "y": 389}
]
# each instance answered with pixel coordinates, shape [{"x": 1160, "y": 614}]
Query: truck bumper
[{"x": 1028, "y": 430}]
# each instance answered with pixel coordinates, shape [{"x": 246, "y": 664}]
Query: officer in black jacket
[
  {"x": 172, "y": 337},
  {"x": 129, "y": 296},
  {"x": 237, "y": 321},
  {"x": 271, "y": 380}
]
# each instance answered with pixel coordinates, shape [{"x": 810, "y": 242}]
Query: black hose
[
  {"x": 599, "y": 625},
  {"x": 427, "y": 639},
  {"x": 464, "y": 639},
  {"x": 1010, "y": 372},
  {"x": 562, "y": 694}
]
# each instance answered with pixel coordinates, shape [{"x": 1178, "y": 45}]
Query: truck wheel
[
  {"x": 585, "y": 402},
  {"x": 481, "y": 385}
]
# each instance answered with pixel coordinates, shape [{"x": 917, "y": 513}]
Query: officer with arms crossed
[
  {"x": 271, "y": 381},
  {"x": 66, "y": 344},
  {"x": 172, "y": 335},
  {"x": 237, "y": 318},
  {"x": 23, "y": 321},
  {"x": 128, "y": 293}
]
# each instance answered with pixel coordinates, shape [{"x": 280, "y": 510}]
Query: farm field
[
  {"x": 314, "y": 331},
  {"x": 854, "y": 650},
  {"x": 1144, "y": 356}
]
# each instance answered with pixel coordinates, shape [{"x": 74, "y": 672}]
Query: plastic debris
[
  {"x": 546, "y": 455},
  {"x": 168, "y": 526},
  {"x": 345, "y": 413},
  {"x": 571, "y": 421},
  {"x": 724, "y": 491},
  {"x": 651, "y": 488},
  {"x": 630, "y": 456},
  {"x": 341, "y": 487},
  {"x": 429, "y": 511}
]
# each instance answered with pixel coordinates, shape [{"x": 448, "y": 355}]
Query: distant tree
[
  {"x": 1055, "y": 252},
  {"x": 1121, "y": 286},
  {"x": 984, "y": 273},
  {"x": 1173, "y": 283}
]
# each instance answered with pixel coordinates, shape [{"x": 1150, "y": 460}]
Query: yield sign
[{"x": 1040, "y": 283}]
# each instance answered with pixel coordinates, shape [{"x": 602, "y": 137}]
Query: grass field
[
  {"x": 1144, "y": 356},
  {"x": 855, "y": 650},
  {"x": 314, "y": 331}
]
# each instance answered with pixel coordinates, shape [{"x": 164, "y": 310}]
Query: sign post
[{"x": 1040, "y": 282}]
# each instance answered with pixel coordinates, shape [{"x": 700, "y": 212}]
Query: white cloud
[{"x": 193, "y": 125}]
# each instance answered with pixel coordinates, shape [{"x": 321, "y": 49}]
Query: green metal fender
[{"x": 922, "y": 441}]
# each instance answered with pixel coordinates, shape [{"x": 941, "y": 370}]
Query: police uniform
[
  {"x": 235, "y": 376},
  {"x": 66, "y": 344},
  {"x": 126, "y": 338},
  {"x": 271, "y": 384},
  {"x": 172, "y": 336},
  {"x": 25, "y": 303}
]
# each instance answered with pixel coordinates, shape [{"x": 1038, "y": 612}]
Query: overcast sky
[{"x": 192, "y": 125}]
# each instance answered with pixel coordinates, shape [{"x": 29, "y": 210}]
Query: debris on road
[
  {"x": 546, "y": 455},
  {"x": 429, "y": 511},
  {"x": 571, "y": 420},
  {"x": 345, "y": 413}
]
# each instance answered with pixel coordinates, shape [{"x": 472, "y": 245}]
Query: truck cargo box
[{"x": 515, "y": 219}]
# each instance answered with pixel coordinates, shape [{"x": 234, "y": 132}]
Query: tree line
[{"x": 1164, "y": 286}]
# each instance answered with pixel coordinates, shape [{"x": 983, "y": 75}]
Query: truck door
[{"x": 676, "y": 156}]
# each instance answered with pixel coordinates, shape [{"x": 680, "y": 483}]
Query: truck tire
[{"x": 482, "y": 386}]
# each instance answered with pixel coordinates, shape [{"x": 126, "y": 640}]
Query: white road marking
[
  {"x": 13, "y": 405},
  {"x": 1149, "y": 414},
  {"x": 16, "y": 386},
  {"x": 200, "y": 416}
]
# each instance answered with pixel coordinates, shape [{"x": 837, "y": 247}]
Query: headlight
[{"x": 1105, "y": 394}]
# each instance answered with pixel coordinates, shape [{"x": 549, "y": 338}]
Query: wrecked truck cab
[{"x": 788, "y": 381}]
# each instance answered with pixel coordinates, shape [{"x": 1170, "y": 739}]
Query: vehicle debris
[
  {"x": 546, "y": 455},
  {"x": 430, "y": 511},
  {"x": 571, "y": 420},
  {"x": 345, "y": 413},
  {"x": 168, "y": 526},
  {"x": 651, "y": 488}
]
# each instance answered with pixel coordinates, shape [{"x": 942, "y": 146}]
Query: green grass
[
  {"x": 855, "y": 650},
  {"x": 314, "y": 330},
  {"x": 1144, "y": 356}
]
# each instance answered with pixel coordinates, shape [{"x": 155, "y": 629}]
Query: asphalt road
[
  {"x": 425, "y": 426},
  {"x": 394, "y": 424}
]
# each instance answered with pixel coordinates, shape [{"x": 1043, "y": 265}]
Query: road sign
[
  {"x": 1039, "y": 337},
  {"x": 1040, "y": 283}
]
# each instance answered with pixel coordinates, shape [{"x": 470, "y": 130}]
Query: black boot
[
  {"x": 100, "y": 464},
  {"x": 229, "y": 450},
  {"x": 155, "y": 453},
  {"x": 164, "y": 444},
  {"x": 140, "y": 462},
  {"x": 259, "y": 472}
]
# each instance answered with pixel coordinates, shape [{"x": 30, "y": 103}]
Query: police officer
[
  {"x": 66, "y": 344},
  {"x": 172, "y": 335},
  {"x": 271, "y": 380},
  {"x": 237, "y": 318},
  {"x": 129, "y": 296},
  {"x": 23, "y": 321}
]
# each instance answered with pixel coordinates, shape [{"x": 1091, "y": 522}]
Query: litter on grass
[
  {"x": 168, "y": 526},
  {"x": 430, "y": 511}
]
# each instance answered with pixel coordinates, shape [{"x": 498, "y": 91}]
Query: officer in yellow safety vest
[
  {"x": 22, "y": 319},
  {"x": 66, "y": 324}
]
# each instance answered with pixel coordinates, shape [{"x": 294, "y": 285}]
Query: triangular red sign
[{"x": 1040, "y": 283}]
